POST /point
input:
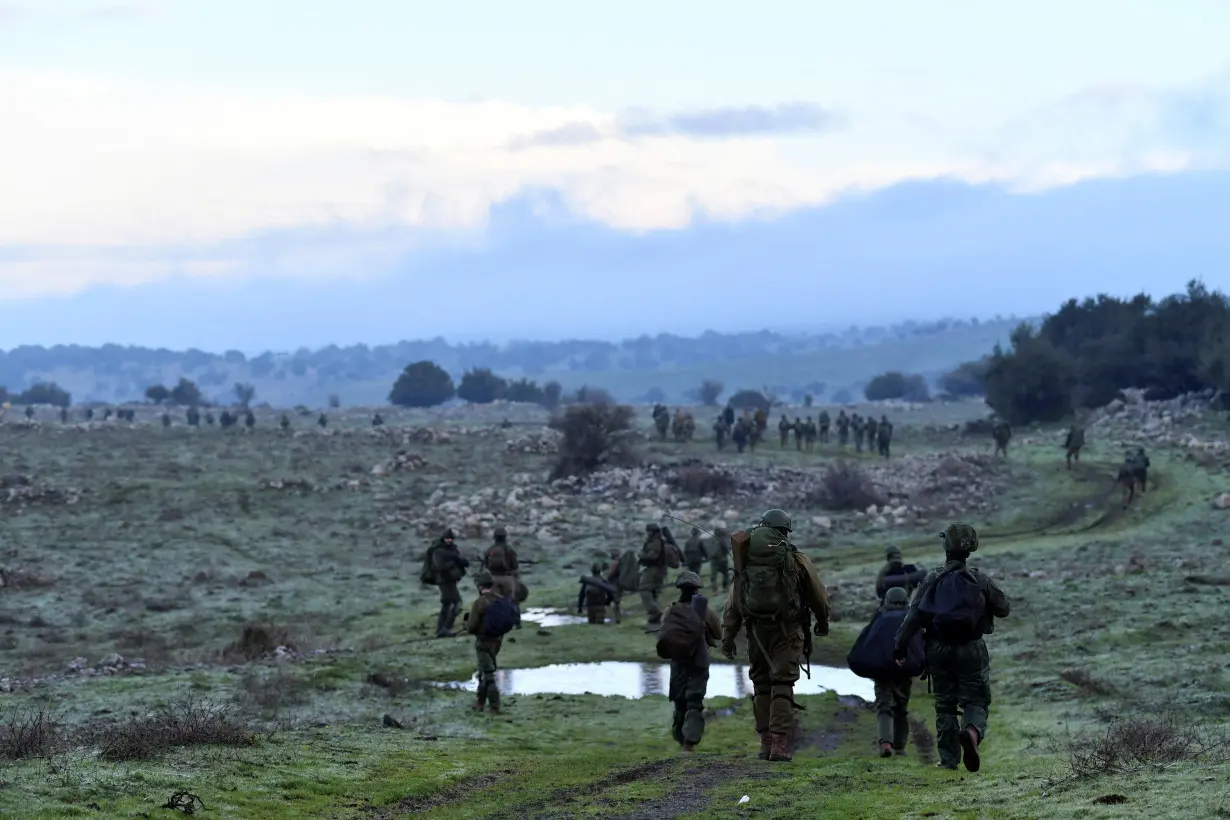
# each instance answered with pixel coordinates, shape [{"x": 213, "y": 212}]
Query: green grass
[{"x": 1099, "y": 590}]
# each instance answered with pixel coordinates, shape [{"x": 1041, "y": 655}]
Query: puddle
[
  {"x": 548, "y": 618},
  {"x": 637, "y": 680}
]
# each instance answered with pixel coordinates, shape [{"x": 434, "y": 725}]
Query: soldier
[
  {"x": 653, "y": 575},
  {"x": 624, "y": 575},
  {"x": 872, "y": 430},
  {"x": 799, "y": 432},
  {"x": 378, "y": 421},
  {"x": 884, "y": 436},
  {"x": 766, "y": 564},
  {"x": 1073, "y": 443},
  {"x": 661, "y": 420},
  {"x": 249, "y": 419},
  {"x": 595, "y": 598},
  {"x": 194, "y": 417},
  {"x": 720, "y": 431},
  {"x": 893, "y": 694},
  {"x": 860, "y": 431},
  {"x": 1001, "y": 433},
  {"x": 740, "y": 434},
  {"x": 719, "y": 558},
  {"x": 843, "y": 428},
  {"x": 694, "y": 553},
  {"x": 762, "y": 422},
  {"x": 450, "y": 568},
  {"x": 166, "y": 419},
  {"x": 63, "y": 415},
  {"x": 954, "y": 616},
  {"x": 501, "y": 561},
  {"x": 824, "y": 426},
  {"x": 209, "y": 418},
  {"x": 322, "y": 421},
  {"x": 809, "y": 434},
  {"x": 783, "y": 429},
  {"x": 285, "y": 422},
  {"x": 728, "y": 415},
  {"x": 689, "y": 629},
  {"x": 490, "y": 619},
  {"x": 897, "y": 573}
]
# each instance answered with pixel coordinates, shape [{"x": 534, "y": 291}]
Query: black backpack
[
  {"x": 427, "y": 574},
  {"x": 683, "y": 630},
  {"x": 871, "y": 656},
  {"x": 500, "y": 617},
  {"x": 956, "y": 607}
]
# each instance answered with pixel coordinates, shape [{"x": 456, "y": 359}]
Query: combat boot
[
  {"x": 478, "y": 705},
  {"x": 779, "y": 747},
  {"x": 969, "y": 740},
  {"x": 493, "y": 709},
  {"x": 886, "y": 749},
  {"x": 766, "y": 745},
  {"x": 689, "y": 748}
]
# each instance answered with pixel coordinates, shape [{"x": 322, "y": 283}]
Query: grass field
[{"x": 196, "y": 554}]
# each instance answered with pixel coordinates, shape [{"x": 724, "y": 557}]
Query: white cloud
[{"x": 94, "y": 164}]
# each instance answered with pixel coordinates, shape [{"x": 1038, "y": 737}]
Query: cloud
[
  {"x": 121, "y": 11},
  {"x": 60, "y": 11},
  {"x": 168, "y": 172}
]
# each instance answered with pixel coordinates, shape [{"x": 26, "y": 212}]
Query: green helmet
[
  {"x": 892, "y": 550},
  {"x": 960, "y": 537},
  {"x": 653, "y": 528},
  {"x": 687, "y": 578},
  {"x": 777, "y": 519},
  {"x": 896, "y": 595},
  {"x": 500, "y": 532},
  {"x": 484, "y": 579}
]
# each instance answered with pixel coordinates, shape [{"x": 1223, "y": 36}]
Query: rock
[
  {"x": 822, "y": 521},
  {"x": 1222, "y": 502},
  {"x": 112, "y": 661}
]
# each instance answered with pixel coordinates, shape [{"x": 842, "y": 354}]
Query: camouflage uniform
[
  {"x": 783, "y": 428},
  {"x": 690, "y": 680},
  {"x": 719, "y": 558},
  {"x": 809, "y": 434},
  {"x": 594, "y": 599},
  {"x": 740, "y": 434},
  {"x": 694, "y": 554},
  {"x": 860, "y": 431},
  {"x": 618, "y": 563},
  {"x": 1073, "y": 443},
  {"x": 893, "y": 696},
  {"x": 843, "y": 428},
  {"x": 872, "y": 429},
  {"x": 960, "y": 673},
  {"x": 1001, "y": 433},
  {"x": 824, "y": 426},
  {"x": 450, "y": 568},
  {"x": 799, "y": 432},
  {"x": 720, "y": 431},
  {"x": 501, "y": 562},
  {"x": 486, "y": 649},
  {"x": 653, "y": 573},
  {"x": 775, "y": 650},
  {"x": 896, "y": 573},
  {"x": 884, "y": 435}
]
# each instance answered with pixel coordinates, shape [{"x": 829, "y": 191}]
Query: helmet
[
  {"x": 484, "y": 579},
  {"x": 891, "y": 550},
  {"x": 696, "y": 531},
  {"x": 687, "y": 578},
  {"x": 777, "y": 519},
  {"x": 449, "y": 533},
  {"x": 500, "y": 532},
  {"x": 652, "y": 528},
  {"x": 896, "y": 595},
  {"x": 595, "y": 568},
  {"x": 960, "y": 537}
]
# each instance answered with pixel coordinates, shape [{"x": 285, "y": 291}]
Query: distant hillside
[{"x": 633, "y": 369}]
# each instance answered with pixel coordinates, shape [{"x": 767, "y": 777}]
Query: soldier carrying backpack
[
  {"x": 491, "y": 618},
  {"x": 653, "y": 561},
  {"x": 624, "y": 575},
  {"x": 872, "y": 657},
  {"x": 501, "y": 561},
  {"x": 776, "y": 592},
  {"x": 956, "y": 606},
  {"x": 689, "y": 628},
  {"x": 444, "y": 567}
]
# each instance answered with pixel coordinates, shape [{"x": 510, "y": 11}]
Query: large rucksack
[
  {"x": 770, "y": 578},
  {"x": 673, "y": 557},
  {"x": 683, "y": 630},
  {"x": 871, "y": 656},
  {"x": 955, "y": 606},
  {"x": 427, "y": 573},
  {"x": 499, "y": 561},
  {"x": 629, "y": 577},
  {"x": 500, "y": 617}
]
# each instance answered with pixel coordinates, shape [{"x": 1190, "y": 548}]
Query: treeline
[
  {"x": 1089, "y": 351},
  {"x": 40, "y": 393}
]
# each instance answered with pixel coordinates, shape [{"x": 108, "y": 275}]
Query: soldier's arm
[
  {"x": 912, "y": 622},
  {"x": 732, "y": 615},
  {"x": 815, "y": 596},
  {"x": 881, "y": 585},
  {"x": 713, "y": 628},
  {"x": 581, "y": 598},
  {"x": 475, "y": 622},
  {"x": 997, "y": 601},
  {"x": 512, "y": 560}
]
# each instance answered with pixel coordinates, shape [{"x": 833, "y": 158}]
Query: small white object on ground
[{"x": 744, "y": 799}]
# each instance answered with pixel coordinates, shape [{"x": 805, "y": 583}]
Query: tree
[
  {"x": 553, "y": 393},
  {"x": 966, "y": 379},
  {"x": 244, "y": 393},
  {"x": 186, "y": 393},
  {"x": 594, "y": 436},
  {"x": 422, "y": 384},
  {"x": 525, "y": 391},
  {"x": 590, "y": 395},
  {"x": 481, "y": 386},
  {"x": 157, "y": 394},
  {"x": 46, "y": 393},
  {"x": 897, "y": 385},
  {"x": 710, "y": 391},
  {"x": 1034, "y": 382},
  {"x": 654, "y": 395},
  {"x": 749, "y": 400}
]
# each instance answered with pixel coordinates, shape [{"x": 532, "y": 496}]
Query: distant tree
[
  {"x": 525, "y": 391},
  {"x": 553, "y": 393},
  {"x": 481, "y": 386},
  {"x": 157, "y": 394},
  {"x": 843, "y": 396},
  {"x": 808, "y": 400},
  {"x": 590, "y": 395},
  {"x": 710, "y": 391},
  {"x": 966, "y": 379},
  {"x": 335, "y": 400},
  {"x": 749, "y": 400},
  {"x": 244, "y": 393},
  {"x": 45, "y": 393},
  {"x": 654, "y": 395},
  {"x": 897, "y": 385},
  {"x": 595, "y": 436},
  {"x": 422, "y": 384},
  {"x": 186, "y": 394}
]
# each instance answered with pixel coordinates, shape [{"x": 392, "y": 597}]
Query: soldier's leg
[
  {"x": 787, "y": 651},
  {"x": 944, "y": 678},
  {"x": 974, "y": 685},
  {"x": 486, "y": 677},
  {"x": 653, "y": 610},
  {"x": 761, "y": 674},
  {"x": 884, "y": 712},
  {"x": 618, "y": 604},
  {"x": 901, "y": 714},
  {"x": 697, "y": 682},
  {"x": 674, "y": 693}
]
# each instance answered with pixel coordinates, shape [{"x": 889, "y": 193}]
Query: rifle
[{"x": 807, "y": 642}]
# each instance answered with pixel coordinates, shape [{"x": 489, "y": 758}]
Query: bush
[
  {"x": 525, "y": 391},
  {"x": 335, "y": 401},
  {"x": 845, "y": 487},
  {"x": 186, "y": 394},
  {"x": 897, "y": 385},
  {"x": 244, "y": 393},
  {"x": 843, "y": 396},
  {"x": 654, "y": 395},
  {"x": 552, "y": 394},
  {"x": 258, "y": 640},
  {"x": 45, "y": 393},
  {"x": 190, "y": 723},
  {"x": 702, "y": 481},
  {"x": 709, "y": 392},
  {"x": 967, "y": 379},
  {"x": 157, "y": 394},
  {"x": 481, "y": 386},
  {"x": 594, "y": 436},
  {"x": 27, "y": 733},
  {"x": 422, "y": 384},
  {"x": 1132, "y": 743},
  {"x": 590, "y": 395},
  {"x": 749, "y": 400}
]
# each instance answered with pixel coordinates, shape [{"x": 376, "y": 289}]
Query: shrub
[
  {"x": 525, "y": 391},
  {"x": 843, "y": 396},
  {"x": 27, "y": 733},
  {"x": 422, "y": 384},
  {"x": 259, "y": 639},
  {"x": 189, "y": 723},
  {"x": 46, "y": 393},
  {"x": 845, "y": 487},
  {"x": 552, "y": 394},
  {"x": 702, "y": 481},
  {"x": 966, "y": 379},
  {"x": 244, "y": 393},
  {"x": 590, "y": 395},
  {"x": 749, "y": 400},
  {"x": 654, "y": 395},
  {"x": 709, "y": 392},
  {"x": 481, "y": 386},
  {"x": 594, "y": 436},
  {"x": 897, "y": 385},
  {"x": 1135, "y": 742},
  {"x": 335, "y": 401},
  {"x": 157, "y": 394},
  {"x": 185, "y": 393}
]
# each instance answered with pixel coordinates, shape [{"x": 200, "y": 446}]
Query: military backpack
[
  {"x": 674, "y": 559},
  {"x": 427, "y": 573},
  {"x": 629, "y": 576},
  {"x": 500, "y": 617},
  {"x": 683, "y": 630},
  {"x": 955, "y": 607},
  {"x": 770, "y": 578},
  {"x": 871, "y": 656},
  {"x": 500, "y": 558}
]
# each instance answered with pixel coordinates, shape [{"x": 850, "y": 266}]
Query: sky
[{"x": 544, "y": 169}]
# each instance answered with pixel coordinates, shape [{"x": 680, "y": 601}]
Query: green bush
[{"x": 422, "y": 384}]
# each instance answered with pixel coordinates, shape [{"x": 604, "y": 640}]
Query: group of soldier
[
  {"x": 778, "y": 602},
  {"x": 748, "y": 430}
]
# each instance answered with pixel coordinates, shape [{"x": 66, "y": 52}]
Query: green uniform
[
  {"x": 694, "y": 553},
  {"x": 884, "y": 436},
  {"x": 719, "y": 558},
  {"x": 893, "y": 696},
  {"x": 487, "y": 651},
  {"x": 450, "y": 569},
  {"x": 688, "y": 684},
  {"x": 501, "y": 562},
  {"x": 653, "y": 575}
]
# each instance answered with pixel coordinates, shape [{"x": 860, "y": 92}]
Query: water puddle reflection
[
  {"x": 548, "y": 618},
  {"x": 638, "y": 680}
]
